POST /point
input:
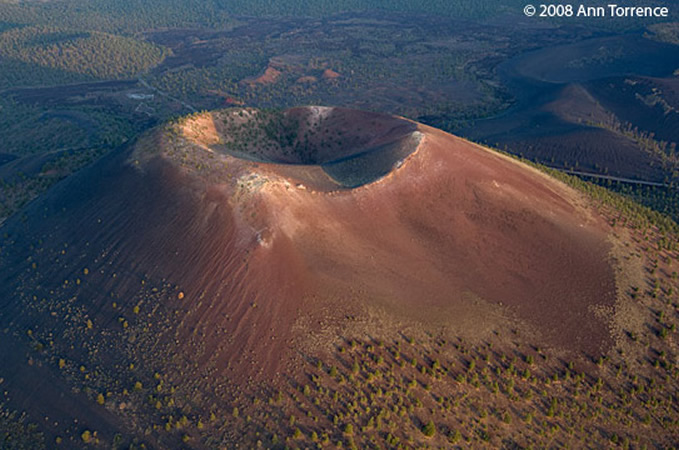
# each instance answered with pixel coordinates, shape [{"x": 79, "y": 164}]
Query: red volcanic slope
[
  {"x": 455, "y": 222},
  {"x": 251, "y": 261}
]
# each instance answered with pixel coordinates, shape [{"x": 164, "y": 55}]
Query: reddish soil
[
  {"x": 269, "y": 76},
  {"x": 307, "y": 79},
  {"x": 330, "y": 74},
  {"x": 245, "y": 265},
  {"x": 454, "y": 222}
]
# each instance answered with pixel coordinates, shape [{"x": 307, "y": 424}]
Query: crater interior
[{"x": 324, "y": 147}]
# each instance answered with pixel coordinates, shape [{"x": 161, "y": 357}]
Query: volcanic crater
[
  {"x": 267, "y": 219},
  {"x": 325, "y": 148},
  {"x": 231, "y": 245}
]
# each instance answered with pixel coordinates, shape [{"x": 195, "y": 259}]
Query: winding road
[
  {"x": 612, "y": 178},
  {"x": 166, "y": 95}
]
